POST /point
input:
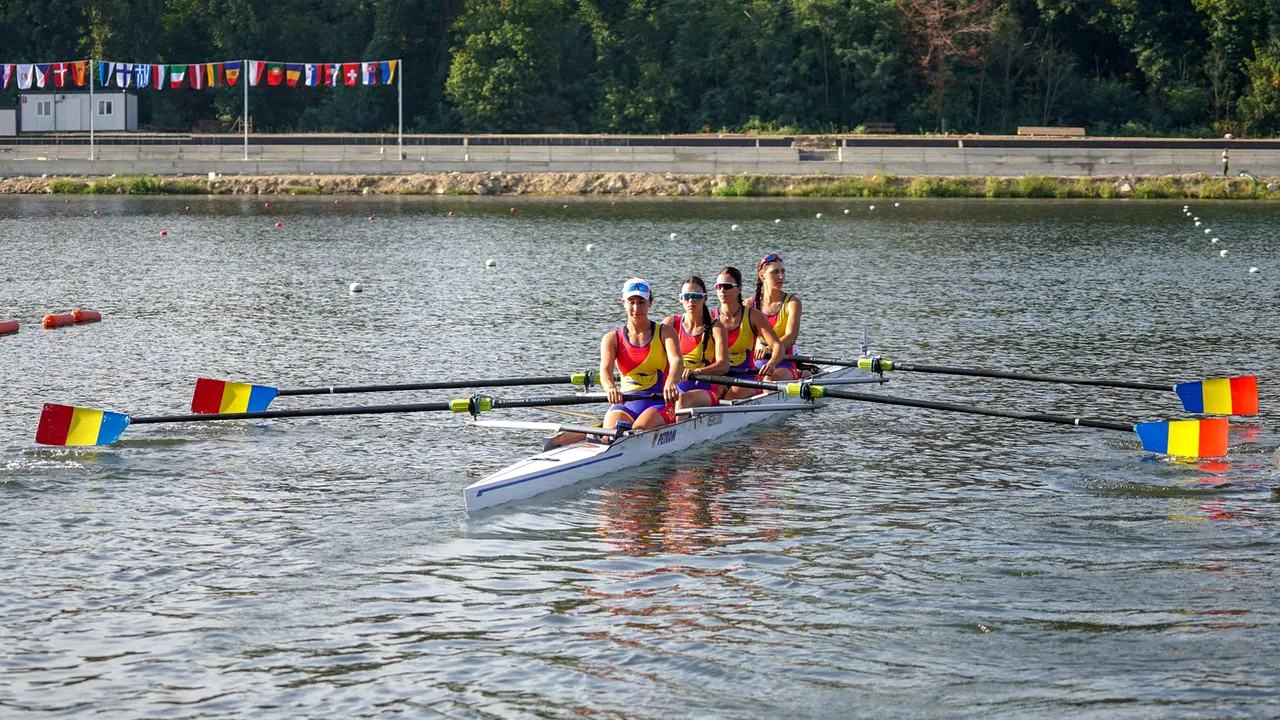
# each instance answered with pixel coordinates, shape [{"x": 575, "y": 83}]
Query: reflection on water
[{"x": 856, "y": 561}]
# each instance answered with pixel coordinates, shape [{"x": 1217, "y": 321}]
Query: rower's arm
[
  {"x": 671, "y": 343},
  {"x": 608, "y": 360},
  {"x": 761, "y": 325},
  {"x": 720, "y": 346}
]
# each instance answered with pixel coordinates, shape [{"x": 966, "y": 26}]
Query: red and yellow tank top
[
  {"x": 778, "y": 320},
  {"x": 641, "y": 367},
  {"x": 691, "y": 345},
  {"x": 741, "y": 339}
]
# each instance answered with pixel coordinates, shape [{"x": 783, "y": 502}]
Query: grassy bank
[
  {"x": 1035, "y": 186},
  {"x": 654, "y": 184}
]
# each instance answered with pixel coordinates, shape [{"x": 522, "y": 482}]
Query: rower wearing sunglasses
[
  {"x": 703, "y": 345},
  {"x": 647, "y": 354},
  {"x": 744, "y": 326},
  {"x": 781, "y": 310}
]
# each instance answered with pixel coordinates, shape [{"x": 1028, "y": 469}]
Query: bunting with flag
[
  {"x": 350, "y": 74},
  {"x": 42, "y": 74},
  {"x": 231, "y": 71},
  {"x": 124, "y": 74},
  {"x": 177, "y": 74},
  {"x": 79, "y": 69},
  {"x": 59, "y": 71},
  {"x": 212, "y": 74},
  {"x": 159, "y": 73},
  {"x": 388, "y": 71},
  {"x": 256, "y": 68},
  {"x": 369, "y": 73},
  {"x": 275, "y": 73},
  {"x": 292, "y": 73},
  {"x": 104, "y": 73},
  {"x": 141, "y": 75},
  {"x": 6, "y": 75},
  {"x": 25, "y": 73},
  {"x": 311, "y": 74},
  {"x": 195, "y": 75},
  {"x": 330, "y": 72}
]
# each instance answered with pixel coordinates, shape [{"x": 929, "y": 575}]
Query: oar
[
  {"x": 223, "y": 396},
  {"x": 1183, "y": 438},
  {"x": 1220, "y": 396},
  {"x": 67, "y": 425}
]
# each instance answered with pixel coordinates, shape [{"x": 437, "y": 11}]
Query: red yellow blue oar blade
[
  {"x": 221, "y": 396},
  {"x": 1185, "y": 438},
  {"x": 1222, "y": 396},
  {"x": 67, "y": 425}
]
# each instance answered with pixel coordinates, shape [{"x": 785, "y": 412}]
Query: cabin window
[
  {"x": 104, "y": 107},
  {"x": 44, "y": 108}
]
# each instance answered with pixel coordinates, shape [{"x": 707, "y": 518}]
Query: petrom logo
[{"x": 663, "y": 437}]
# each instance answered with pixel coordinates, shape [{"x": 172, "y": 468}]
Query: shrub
[{"x": 63, "y": 186}]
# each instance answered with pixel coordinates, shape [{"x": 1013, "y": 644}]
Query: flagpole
[
  {"x": 400, "y": 92},
  {"x": 244, "y": 76},
  {"x": 92, "y": 108}
]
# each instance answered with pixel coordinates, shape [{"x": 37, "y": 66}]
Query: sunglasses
[
  {"x": 771, "y": 257},
  {"x": 637, "y": 287},
  {"x": 693, "y": 296},
  {"x": 726, "y": 286}
]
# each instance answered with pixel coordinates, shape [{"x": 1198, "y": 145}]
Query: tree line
[{"x": 1197, "y": 68}]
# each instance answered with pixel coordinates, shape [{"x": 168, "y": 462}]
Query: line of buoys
[
  {"x": 1186, "y": 209},
  {"x": 8, "y": 327},
  {"x": 86, "y": 316},
  {"x": 57, "y": 320}
]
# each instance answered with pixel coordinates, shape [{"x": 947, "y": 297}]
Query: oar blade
[
  {"x": 76, "y": 426},
  {"x": 221, "y": 396},
  {"x": 1221, "y": 396},
  {"x": 1185, "y": 438}
]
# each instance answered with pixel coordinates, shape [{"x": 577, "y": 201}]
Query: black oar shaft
[
  {"x": 1000, "y": 374},
  {"x": 442, "y": 385},
  {"x": 383, "y": 409},
  {"x": 928, "y": 404}
]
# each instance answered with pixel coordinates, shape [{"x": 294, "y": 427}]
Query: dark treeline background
[{"x": 1116, "y": 67}]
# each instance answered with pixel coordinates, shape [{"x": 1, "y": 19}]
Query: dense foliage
[{"x": 1122, "y": 67}]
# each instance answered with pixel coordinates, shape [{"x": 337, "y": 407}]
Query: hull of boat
[{"x": 563, "y": 466}]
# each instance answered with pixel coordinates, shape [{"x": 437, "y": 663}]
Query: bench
[
  {"x": 1055, "y": 131},
  {"x": 879, "y": 128}
]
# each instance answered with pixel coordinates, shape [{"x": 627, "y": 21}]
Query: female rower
[
  {"x": 647, "y": 354},
  {"x": 781, "y": 310},
  {"x": 698, "y": 332},
  {"x": 744, "y": 327}
]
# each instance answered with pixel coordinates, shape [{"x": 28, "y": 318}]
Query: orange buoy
[
  {"x": 8, "y": 327},
  {"x": 279, "y": 224},
  {"x": 86, "y": 316},
  {"x": 57, "y": 320}
]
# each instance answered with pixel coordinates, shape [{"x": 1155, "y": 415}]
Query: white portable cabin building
[
  {"x": 69, "y": 111},
  {"x": 8, "y": 123}
]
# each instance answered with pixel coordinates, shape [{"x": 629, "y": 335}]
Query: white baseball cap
[{"x": 636, "y": 287}]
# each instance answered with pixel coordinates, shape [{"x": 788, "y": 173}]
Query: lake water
[{"x": 860, "y": 561}]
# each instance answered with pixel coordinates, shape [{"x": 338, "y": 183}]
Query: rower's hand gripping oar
[
  {"x": 223, "y": 396},
  {"x": 67, "y": 425},
  {"x": 1219, "y": 396},
  {"x": 1181, "y": 438}
]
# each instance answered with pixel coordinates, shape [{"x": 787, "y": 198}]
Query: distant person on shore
[{"x": 1225, "y": 162}]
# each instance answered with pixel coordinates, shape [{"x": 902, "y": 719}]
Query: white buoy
[
  {"x": 1222, "y": 253},
  {"x": 1207, "y": 231},
  {"x": 1197, "y": 223},
  {"x": 590, "y": 247},
  {"x": 1253, "y": 271},
  {"x": 673, "y": 236},
  {"x": 819, "y": 214},
  {"x": 873, "y": 207},
  {"x": 1213, "y": 241},
  {"x": 491, "y": 263},
  {"x": 897, "y": 204},
  {"x": 355, "y": 288},
  {"x": 846, "y": 212},
  {"x": 734, "y": 227},
  {"x": 1196, "y": 219},
  {"x": 776, "y": 221}
]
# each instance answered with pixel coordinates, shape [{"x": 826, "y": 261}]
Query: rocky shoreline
[{"x": 1198, "y": 186}]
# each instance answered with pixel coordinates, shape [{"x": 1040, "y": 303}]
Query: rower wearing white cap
[{"x": 647, "y": 354}]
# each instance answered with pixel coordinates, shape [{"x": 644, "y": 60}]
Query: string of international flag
[{"x": 198, "y": 76}]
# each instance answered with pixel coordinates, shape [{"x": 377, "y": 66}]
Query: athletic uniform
[
  {"x": 643, "y": 368},
  {"x": 778, "y": 321},
  {"x": 741, "y": 340},
  {"x": 691, "y": 348}
]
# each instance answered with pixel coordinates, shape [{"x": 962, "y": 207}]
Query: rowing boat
[{"x": 569, "y": 464}]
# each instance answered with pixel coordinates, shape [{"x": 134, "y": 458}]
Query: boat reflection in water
[{"x": 706, "y": 502}]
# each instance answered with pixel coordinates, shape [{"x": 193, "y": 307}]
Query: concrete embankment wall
[{"x": 929, "y": 157}]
